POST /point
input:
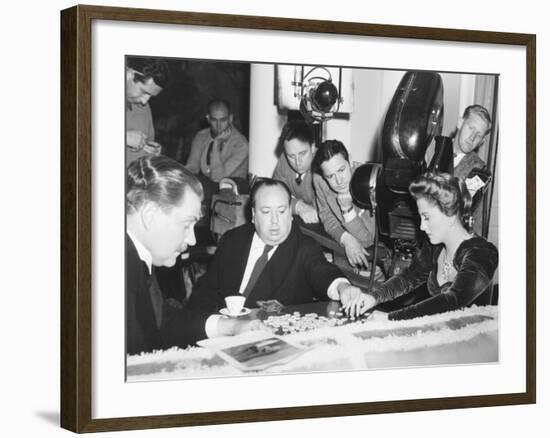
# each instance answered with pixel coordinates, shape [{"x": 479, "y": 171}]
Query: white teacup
[{"x": 235, "y": 304}]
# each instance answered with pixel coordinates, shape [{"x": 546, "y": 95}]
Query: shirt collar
[
  {"x": 143, "y": 253},
  {"x": 258, "y": 243}
]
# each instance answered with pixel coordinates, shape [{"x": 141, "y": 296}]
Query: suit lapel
[
  {"x": 239, "y": 263},
  {"x": 142, "y": 299}
]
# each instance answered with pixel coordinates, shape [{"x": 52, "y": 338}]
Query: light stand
[{"x": 363, "y": 191}]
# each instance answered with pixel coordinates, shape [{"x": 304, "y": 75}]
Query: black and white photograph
[
  {"x": 275, "y": 219},
  {"x": 268, "y": 218},
  {"x": 293, "y": 218}
]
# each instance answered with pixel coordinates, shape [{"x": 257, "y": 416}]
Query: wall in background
[
  {"x": 359, "y": 131},
  {"x": 179, "y": 111}
]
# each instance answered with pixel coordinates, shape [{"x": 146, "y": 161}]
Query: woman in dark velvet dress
[{"x": 456, "y": 265}]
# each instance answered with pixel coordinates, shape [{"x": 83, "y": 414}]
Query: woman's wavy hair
[
  {"x": 158, "y": 179},
  {"x": 448, "y": 192}
]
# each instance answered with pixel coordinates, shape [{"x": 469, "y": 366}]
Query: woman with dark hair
[
  {"x": 456, "y": 265},
  {"x": 346, "y": 223}
]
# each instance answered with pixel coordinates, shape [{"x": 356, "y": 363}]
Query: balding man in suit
[{"x": 269, "y": 259}]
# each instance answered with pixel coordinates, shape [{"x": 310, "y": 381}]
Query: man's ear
[
  {"x": 459, "y": 123},
  {"x": 252, "y": 216},
  {"x": 147, "y": 213},
  {"x": 230, "y": 119},
  {"x": 208, "y": 118}
]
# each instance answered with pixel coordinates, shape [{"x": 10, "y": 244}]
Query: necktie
[
  {"x": 258, "y": 268},
  {"x": 156, "y": 298},
  {"x": 209, "y": 153},
  {"x": 299, "y": 178}
]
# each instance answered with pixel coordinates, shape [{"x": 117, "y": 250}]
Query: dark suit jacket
[
  {"x": 296, "y": 273},
  {"x": 179, "y": 327}
]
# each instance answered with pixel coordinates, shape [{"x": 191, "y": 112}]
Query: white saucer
[{"x": 244, "y": 311}]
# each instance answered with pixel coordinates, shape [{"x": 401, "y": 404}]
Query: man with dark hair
[
  {"x": 294, "y": 168},
  {"x": 163, "y": 204},
  {"x": 268, "y": 259},
  {"x": 345, "y": 222},
  {"x": 219, "y": 151},
  {"x": 145, "y": 78}
]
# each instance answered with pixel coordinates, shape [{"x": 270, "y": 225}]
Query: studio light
[{"x": 319, "y": 96}]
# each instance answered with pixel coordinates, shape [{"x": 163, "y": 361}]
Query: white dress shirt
[
  {"x": 256, "y": 250},
  {"x": 143, "y": 253}
]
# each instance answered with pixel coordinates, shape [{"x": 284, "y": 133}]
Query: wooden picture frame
[{"x": 76, "y": 217}]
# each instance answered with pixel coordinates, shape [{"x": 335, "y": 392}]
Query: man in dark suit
[
  {"x": 153, "y": 324},
  {"x": 163, "y": 204},
  {"x": 294, "y": 268},
  {"x": 472, "y": 130}
]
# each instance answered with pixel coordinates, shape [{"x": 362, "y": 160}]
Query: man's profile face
[
  {"x": 171, "y": 232},
  {"x": 471, "y": 133},
  {"x": 271, "y": 214},
  {"x": 299, "y": 155},
  {"x": 219, "y": 119},
  {"x": 140, "y": 92}
]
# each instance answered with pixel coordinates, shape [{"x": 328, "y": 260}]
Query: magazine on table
[{"x": 254, "y": 351}]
